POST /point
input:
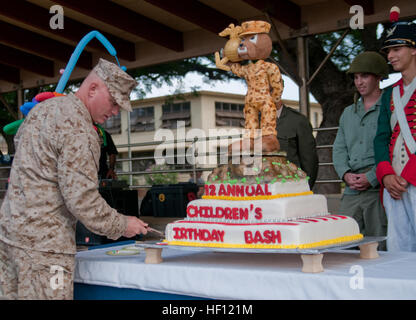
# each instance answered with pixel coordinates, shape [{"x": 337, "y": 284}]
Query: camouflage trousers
[
  {"x": 268, "y": 117},
  {"x": 34, "y": 275}
]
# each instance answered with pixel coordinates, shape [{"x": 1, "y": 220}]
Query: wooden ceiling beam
[
  {"x": 9, "y": 74},
  {"x": 197, "y": 13},
  {"x": 368, "y": 5},
  {"x": 20, "y": 59},
  {"x": 284, "y": 11},
  {"x": 35, "y": 43},
  {"x": 38, "y": 17},
  {"x": 127, "y": 20}
]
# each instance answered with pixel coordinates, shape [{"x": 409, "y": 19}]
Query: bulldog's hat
[{"x": 253, "y": 27}]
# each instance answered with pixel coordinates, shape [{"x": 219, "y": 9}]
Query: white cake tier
[
  {"x": 254, "y": 211},
  {"x": 299, "y": 233},
  {"x": 250, "y": 191}
]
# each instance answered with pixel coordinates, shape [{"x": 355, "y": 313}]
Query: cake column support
[
  {"x": 369, "y": 250},
  {"x": 312, "y": 263},
  {"x": 153, "y": 255}
]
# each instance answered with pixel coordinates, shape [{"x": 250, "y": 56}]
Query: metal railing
[{"x": 193, "y": 169}]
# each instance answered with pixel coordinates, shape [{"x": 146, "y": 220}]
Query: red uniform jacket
[{"x": 386, "y": 138}]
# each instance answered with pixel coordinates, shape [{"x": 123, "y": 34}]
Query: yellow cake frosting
[{"x": 322, "y": 243}]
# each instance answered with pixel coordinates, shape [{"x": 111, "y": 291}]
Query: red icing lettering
[
  {"x": 219, "y": 212},
  {"x": 258, "y": 214},
  {"x": 230, "y": 213},
  {"x": 266, "y": 190},
  {"x": 272, "y": 237},
  {"x": 176, "y": 235},
  {"x": 217, "y": 235},
  {"x": 248, "y": 193},
  {"x": 243, "y": 213},
  {"x": 239, "y": 191},
  {"x": 259, "y": 190},
  {"x": 189, "y": 209},
  {"x": 198, "y": 234},
  {"x": 227, "y": 213},
  {"x": 208, "y": 211},
  {"x": 222, "y": 191},
  {"x": 221, "y": 234},
  {"x": 183, "y": 233},
  {"x": 231, "y": 190},
  {"x": 248, "y": 237},
  {"x": 203, "y": 211},
  {"x": 205, "y": 235},
  {"x": 258, "y": 237},
  {"x": 210, "y": 190},
  {"x": 267, "y": 237},
  {"x": 235, "y": 213}
]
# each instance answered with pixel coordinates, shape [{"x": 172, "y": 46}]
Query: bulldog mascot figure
[{"x": 264, "y": 81}]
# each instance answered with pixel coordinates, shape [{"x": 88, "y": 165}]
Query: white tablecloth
[{"x": 221, "y": 275}]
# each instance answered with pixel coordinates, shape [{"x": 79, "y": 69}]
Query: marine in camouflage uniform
[{"x": 53, "y": 183}]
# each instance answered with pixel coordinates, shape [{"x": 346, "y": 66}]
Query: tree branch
[{"x": 9, "y": 108}]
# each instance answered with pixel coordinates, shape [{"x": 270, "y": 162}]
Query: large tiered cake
[
  {"x": 272, "y": 209},
  {"x": 272, "y": 206}
]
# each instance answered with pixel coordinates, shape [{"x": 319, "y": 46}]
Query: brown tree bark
[{"x": 333, "y": 89}]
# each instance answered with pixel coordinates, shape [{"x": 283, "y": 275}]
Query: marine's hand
[
  {"x": 135, "y": 226},
  {"x": 395, "y": 185}
]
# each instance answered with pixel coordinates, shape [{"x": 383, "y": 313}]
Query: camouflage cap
[
  {"x": 253, "y": 27},
  {"x": 118, "y": 82}
]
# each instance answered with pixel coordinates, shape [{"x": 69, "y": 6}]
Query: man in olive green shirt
[
  {"x": 294, "y": 133},
  {"x": 353, "y": 151}
]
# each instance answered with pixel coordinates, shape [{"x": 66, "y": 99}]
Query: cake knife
[{"x": 150, "y": 229}]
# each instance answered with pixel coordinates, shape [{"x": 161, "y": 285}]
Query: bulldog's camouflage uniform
[
  {"x": 265, "y": 87},
  {"x": 53, "y": 182}
]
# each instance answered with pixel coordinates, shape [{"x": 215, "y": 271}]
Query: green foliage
[
  {"x": 167, "y": 73},
  {"x": 161, "y": 178},
  {"x": 348, "y": 49}
]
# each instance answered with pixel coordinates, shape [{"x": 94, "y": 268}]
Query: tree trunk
[{"x": 333, "y": 89}]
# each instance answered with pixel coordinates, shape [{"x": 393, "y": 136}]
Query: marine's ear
[{"x": 92, "y": 89}]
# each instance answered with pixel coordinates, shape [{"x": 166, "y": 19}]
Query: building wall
[{"x": 202, "y": 114}]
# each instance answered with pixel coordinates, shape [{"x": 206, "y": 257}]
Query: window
[
  {"x": 113, "y": 125},
  {"x": 229, "y": 114},
  {"x": 142, "y": 119},
  {"x": 174, "y": 112}
]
